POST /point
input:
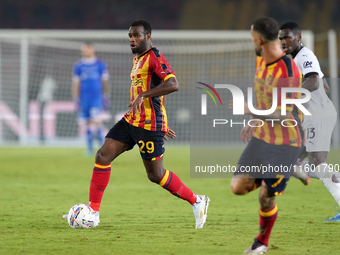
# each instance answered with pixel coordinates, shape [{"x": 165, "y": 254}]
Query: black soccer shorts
[
  {"x": 269, "y": 162},
  {"x": 151, "y": 143}
]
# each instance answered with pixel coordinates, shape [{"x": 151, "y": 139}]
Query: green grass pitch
[{"x": 39, "y": 185}]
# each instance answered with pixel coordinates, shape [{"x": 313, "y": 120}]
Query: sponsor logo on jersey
[
  {"x": 137, "y": 82},
  {"x": 307, "y": 64}
]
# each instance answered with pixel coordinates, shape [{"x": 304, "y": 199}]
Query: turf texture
[{"x": 39, "y": 185}]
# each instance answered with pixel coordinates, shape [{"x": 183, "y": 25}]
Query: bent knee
[
  {"x": 103, "y": 157},
  {"x": 237, "y": 188},
  {"x": 154, "y": 170},
  {"x": 154, "y": 177},
  {"x": 242, "y": 185}
]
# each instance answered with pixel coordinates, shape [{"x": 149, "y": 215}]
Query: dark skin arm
[
  {"x": 311, "y": 83},
  {"x": 326, "y": 86},
  {"x": 106, "y": 87},
  {"x": 75, "y": 90},
  {"x": 167, "y": 87}
]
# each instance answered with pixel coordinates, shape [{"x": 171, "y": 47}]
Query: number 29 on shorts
[{"x": 146, "y": 147}]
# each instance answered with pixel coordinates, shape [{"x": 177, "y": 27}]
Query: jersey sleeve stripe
[
  {"x": 156, "y": 52},
  {"x": 288, "y": 65},
  {"x": 164, "y": 117},
  {"x": 169, "y": 76},
  {"x": 309, "y": 74},
  {"x": 264, "y": 74},
  {"x": 141, "y": 115},
  {"x": 153, "y": 116}
]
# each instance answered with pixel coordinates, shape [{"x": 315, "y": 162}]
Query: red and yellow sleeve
[{"x": 161, "y": 67}]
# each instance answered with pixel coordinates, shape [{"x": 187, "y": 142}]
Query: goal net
[{"x": 36, "y": 107}]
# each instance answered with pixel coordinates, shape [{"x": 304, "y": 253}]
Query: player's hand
[
  {"x": 170, "y": 133},
  {"x": 246, "y": 107},
  {"x": 135, "y": 105},
  {"x": 247, "y": 133},
  {"x": 106, "y": 102}
]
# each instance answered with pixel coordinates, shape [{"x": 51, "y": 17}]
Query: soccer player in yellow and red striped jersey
[
  {"x": 149, "y": 69},
  {"x": 277, "y": 139},
  {"x": 278, "y": 74},
  {"x": 145, "y": 124}
]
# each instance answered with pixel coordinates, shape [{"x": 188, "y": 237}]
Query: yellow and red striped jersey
[
  {"x": 281, "y": 73},
  {"x": 149, "y": 70}
]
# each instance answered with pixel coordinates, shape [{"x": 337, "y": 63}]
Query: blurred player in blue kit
[{"x": 90, "y": 92}]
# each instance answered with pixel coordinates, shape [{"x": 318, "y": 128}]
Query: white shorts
[{"x": 318, "y": 131}]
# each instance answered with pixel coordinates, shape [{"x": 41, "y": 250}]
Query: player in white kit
[{"x": 318, "y": 126}]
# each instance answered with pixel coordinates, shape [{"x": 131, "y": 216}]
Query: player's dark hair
[
  {"x": 267, "y": 27},
  {"x": 292, "y": 26},
  {"x": 144, "y": 23}
]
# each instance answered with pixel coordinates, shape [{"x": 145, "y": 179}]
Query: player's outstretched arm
[
  {"x": 75, "y": 90},
  {"x": 326, "y": 86},
  {"x": 166, "y": 87},
  {"x": 75, "y": 93},
  {"x": 106, "y": 87},
  {"x": 311, "y": 82},
  {"x": 106, "y": 94}
]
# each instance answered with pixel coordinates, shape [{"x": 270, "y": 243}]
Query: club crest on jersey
[
  {"x": 137, "y": 66},
  {"x": 307, "y": 64}
]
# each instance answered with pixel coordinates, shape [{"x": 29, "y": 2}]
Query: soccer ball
[{"x": 81, "y": 216}]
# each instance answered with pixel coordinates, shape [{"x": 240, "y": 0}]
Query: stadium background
[
  {"x": 39, "y": 63},
  {"x": 39, "y": 185}
]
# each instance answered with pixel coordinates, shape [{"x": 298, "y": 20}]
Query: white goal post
[{"x": 36, "y": 107}]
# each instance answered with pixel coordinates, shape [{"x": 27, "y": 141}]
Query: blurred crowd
[
  {"x": 316, "y": 15},
  {"x": 87, "y": 14}
]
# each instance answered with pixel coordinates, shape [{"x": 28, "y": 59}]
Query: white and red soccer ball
[{"x": 81, "y": 216}]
